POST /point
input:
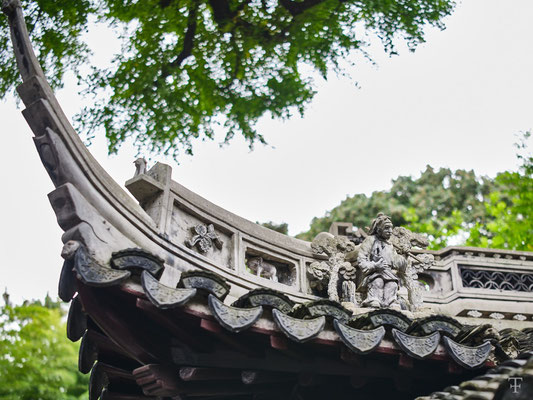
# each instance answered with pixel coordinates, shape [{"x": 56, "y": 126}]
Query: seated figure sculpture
[{"x": 380, "y": 264}]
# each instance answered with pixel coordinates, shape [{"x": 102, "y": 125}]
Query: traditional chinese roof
[
  {"x": 143, "y": 338},
  {"x": 512, "y": 379},
  {"x": 166, "y": 301}
]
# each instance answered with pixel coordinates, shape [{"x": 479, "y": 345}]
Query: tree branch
[
  {"x": 295, "y": 8},
  {"x": 188, "y": 42}
]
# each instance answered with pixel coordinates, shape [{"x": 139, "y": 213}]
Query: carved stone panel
[
  {"x": 417, "y": 346},
  {"x": 497, "y": 280},
  {"x": 274, "y": 267},
  {"x": 204, "y": 238},
  {"x": 233, "y": 318},
  {"x": 201, "y": 235},
  {"x": 359, "y": 341},
  {"x": 163, "y": 296},
  {"x": 466, "y": 356},
  {"x": 299, "y": 330},
  {"x": 92, "y": 273}
]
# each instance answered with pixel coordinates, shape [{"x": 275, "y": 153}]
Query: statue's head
[{"x": 382, "y": 227}]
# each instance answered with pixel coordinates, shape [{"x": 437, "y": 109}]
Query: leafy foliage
[
  {"x": 37, "y": 361},
  {"x": 440, "y": 203},
  {"x": 282, "y": 227},
  {"x": 187, "y": 65},
  {"x": 449, "y": 204},
  {"x": 509, "y": 208},
  {"x": 56, "y": 29}
]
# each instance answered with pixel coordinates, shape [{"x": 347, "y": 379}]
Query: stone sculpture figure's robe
[{"x": 371, "y": 251}]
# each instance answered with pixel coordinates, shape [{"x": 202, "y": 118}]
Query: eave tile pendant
[
  {"x": 417, "y": 346},
  {"x": 233, "y": 318},
  {"x": 299, "y": 330},
  {"x": 466, "y": 356},
  {"x": 359, "y": 341},
  {"x": 163, "y": 296}
]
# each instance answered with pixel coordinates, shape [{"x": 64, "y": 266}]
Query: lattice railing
[{"x": 497, "y": 280}]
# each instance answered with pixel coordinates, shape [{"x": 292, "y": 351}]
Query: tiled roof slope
[{"x": 259, "y": 315}]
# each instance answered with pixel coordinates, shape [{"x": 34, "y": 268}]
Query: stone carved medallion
[
  {"x": 466, "y": 356},
  {"x": 417, "y": 346},
  {"x": 205, "y": 281},
  {"x": 359, "y": 341},
  {"x": 204, "y": 238},
  {"x": 299, "y": 330},
  {"x": 164, "y": 296},
  {"x": 233, "y": 318},
  {"x": 92, "y": 273}
]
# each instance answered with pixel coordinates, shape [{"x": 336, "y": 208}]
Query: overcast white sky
[{"x": 457, "y": 102}]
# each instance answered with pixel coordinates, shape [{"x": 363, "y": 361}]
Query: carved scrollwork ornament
[
  {"x": 204, "y": 238},
  {"x": 328, "y": 274}
]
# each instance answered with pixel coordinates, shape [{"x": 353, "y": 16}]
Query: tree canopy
[
  {"x": 472, "y": 210},
  {"x": 37, "y": 361},
  {"x": 187, "y": 65}
]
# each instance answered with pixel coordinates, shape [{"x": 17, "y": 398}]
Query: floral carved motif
[{"x": 204, "y": 238}]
